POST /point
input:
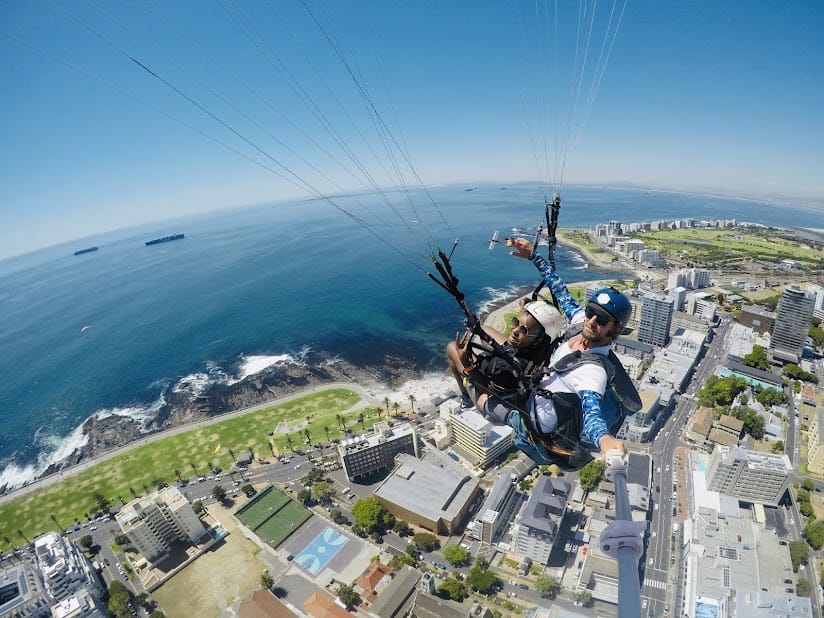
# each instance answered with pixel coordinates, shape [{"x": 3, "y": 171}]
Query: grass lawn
[
  {"x": 711, "y": 246},
  {"x": 193, "y": 452}
]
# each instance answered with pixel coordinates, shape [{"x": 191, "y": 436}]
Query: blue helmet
[{"x": 614, "y": 303}]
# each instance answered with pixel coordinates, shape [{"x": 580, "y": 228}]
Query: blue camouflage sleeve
[
  {"x": 595, "y": 427},
  {"x": 556, "y": 284}
]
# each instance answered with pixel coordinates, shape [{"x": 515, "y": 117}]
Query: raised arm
[{"x": 524, "y": 249}]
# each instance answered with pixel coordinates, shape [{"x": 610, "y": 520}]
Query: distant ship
[
  {"x": 157, "y": 241},
  {"x": 87, "y": 250}
]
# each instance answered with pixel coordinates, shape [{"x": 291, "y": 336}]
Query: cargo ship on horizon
[
  {"x": 86, "y": 250},
  {"x": 157, "y": 241}
]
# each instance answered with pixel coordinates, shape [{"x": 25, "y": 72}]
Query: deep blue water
[{"x": 267, "y": 281}]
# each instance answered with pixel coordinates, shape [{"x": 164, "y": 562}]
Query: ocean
[{"x": 251, "y": 287}]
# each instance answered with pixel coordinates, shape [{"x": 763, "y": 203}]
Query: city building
[
  {"x": 817, "y": 292},
  {"x": 477, "y": 440},
  {"x": 758, "y": 478},
  {"x": 64, "y": 568},
  {"x": 368, "y": 454},
  {"x": 433, "y": 492},
  {"x": 700, "y": 305},
  {"x": 656, "y": 317},
  {"x": 757, "y": 318},
  {"x": 537, "y": 524},
  {"x": 156, "y": 521},
  {"x": 82, "y": 604},
  {"x": 726, "y": 430},
  {"x": 795, "y": 311},
  {"x": 492, "y": 519},
  {"x": 22, "y": 592},
  {"x": 815, "y": 443}
]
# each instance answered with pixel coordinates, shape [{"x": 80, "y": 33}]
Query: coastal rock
[{"x": 181, "y": 408}]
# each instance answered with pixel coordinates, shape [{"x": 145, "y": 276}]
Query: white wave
[
  {"x": 498, "y": 296},
  {"x": 139, "y": 414},
  {"x": 55, "y": 451},
  {"x": 193, "y": 384},
  {"x": 255, "y": 364}
]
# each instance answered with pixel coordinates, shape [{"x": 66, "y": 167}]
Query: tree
[
  {"x": 777, "y": 447},
  {"x": 326, "y": 431},
  {"x": 817, "y": 334},
  {"x": 453, "y": 589},
  {"x": 412, "y": 551},
  {"x": 808, "y": 484},
  {"x": 480, "y": 578},
  {"x": 371, "y": 514},
  {"x": 412, "y": 401},
  {"x": 799, "y": 553},
  {"x": 266, "y": 579},
  {"x": 803, "y": 587},
  {"x": 118, "y": 600},
  {"x": 86, "y": 541},
  {"x": 584, "y": 597},
  {"x": 348, "y": 596},
  {"x": 426, "y": 541},
  {"x": 304, "y": 496},
  {"x": 546, "y": 585},
  {"x": 757, "y": 358},
  {"x": 248, "y": 490},
  {"x": 402, "y": 528},
  {"x": 361, "y": 421},
  {"x": 289, "y": 442},
  {"x": 197, "y": 507},
  {"x": 219, "y": 493},
  {"x": 456, "y": 555},
  {"x": 322, "y": 491},
  {"x": 591, "y": 474},
  {"x": 814, "y": 533},
  {"x": 386, "y": 403},
  {"x": 101, "y": 501},
  {"x": 121, "y": 539},
  {"x": 720, "y": 391},
  {"x": 157, "y": 614}
]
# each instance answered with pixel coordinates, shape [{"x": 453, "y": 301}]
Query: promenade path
[{"x": 366, "y": 400}]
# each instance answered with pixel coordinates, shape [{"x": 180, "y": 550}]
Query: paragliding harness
[
  {"x": 498, "y": 372},
  {"x": 565, "y": 444}
]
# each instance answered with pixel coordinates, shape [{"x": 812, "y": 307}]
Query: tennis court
[{"x": 272, "y": 515}]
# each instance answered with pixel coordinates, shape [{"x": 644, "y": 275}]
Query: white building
[
  {"x": 154, "y": 522},
  {"x": 795, "y": 311},
  {"x": 759, "y": 478},
  {"x": 477, "y": 440},
  {"x": 64, "y": 568}
]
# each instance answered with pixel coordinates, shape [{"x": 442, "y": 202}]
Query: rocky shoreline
[
  {"x": 109, "y": 433},
  {"x": 104, "y": 435}
]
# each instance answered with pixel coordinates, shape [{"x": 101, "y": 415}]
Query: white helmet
[{"x": 548, "y": 317}]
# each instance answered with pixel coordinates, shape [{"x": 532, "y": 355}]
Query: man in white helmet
[{"x": 531, "y": 338}]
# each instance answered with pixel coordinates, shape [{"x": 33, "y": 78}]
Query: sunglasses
[
  {"x": 600, "y": 317},
  {"x": 523, "y": 330}
]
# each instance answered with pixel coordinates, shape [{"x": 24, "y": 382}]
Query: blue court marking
[{"x": 321, "y": 550}]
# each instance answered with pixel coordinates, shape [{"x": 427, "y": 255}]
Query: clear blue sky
[{"x": 721, "y": 97}]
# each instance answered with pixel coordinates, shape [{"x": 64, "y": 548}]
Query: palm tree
[
  {"x": 386, "y": 403},
  {"x": 308, "y": 437},
  {"x": 360, "y": 420},
  {"x": 177, "y": 474},
  {"x": 194, "y": 468},
  {"x": 412, "y": 401},
  {"x": 396, "y": 406},
  {"x": 56, "y": 523},
  {"x": 339, "y": 419},
  {"x": 289, "y": 442},
  {"x": 23, "y": 536},
  {"x": 326, "y": 431}
]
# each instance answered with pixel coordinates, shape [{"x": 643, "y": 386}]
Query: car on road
[{"x": 297, "y": 466}]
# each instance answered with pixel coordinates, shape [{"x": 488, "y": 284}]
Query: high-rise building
[
  {"x": 479, "y": 441},
  {"x": 155, "y": 521},
  {"x": 759, "y": 478},
  {"x": 818, "y": 305},
  {"x": 66, "y": 571},
  {"x": 656, "y": 318},
  {"x": 795, "y": 311}
]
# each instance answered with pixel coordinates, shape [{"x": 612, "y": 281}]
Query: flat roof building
[
  {"x": 479, "y": 441},
  {"x": 155, "y": 521},
  {"x": 433, "y": 492},
  {"x": 760, "y": 478},
  {"x": 365, "y": 455},
  {"x": 493, "y": 517},
  {"x": 65, "y": 570}
]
